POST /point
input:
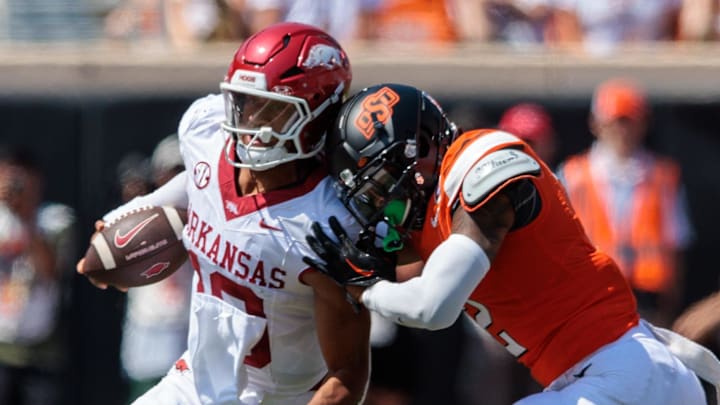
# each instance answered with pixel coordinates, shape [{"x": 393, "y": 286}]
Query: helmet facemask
[
  {"x": 385, "y": 195},
  {"x": 268, "y": 125}
]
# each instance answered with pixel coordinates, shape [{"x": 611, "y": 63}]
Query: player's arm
[
  {"x": 451, "y": 273},
  {"x": 344, "y": 338},
  {"x": 172, "y": 193},
  {"x": 495, "y": 198}
]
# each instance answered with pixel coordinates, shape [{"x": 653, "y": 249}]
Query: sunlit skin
[
  {"x": 623, "y": 135},
  {"x": 20, "y": 189}
]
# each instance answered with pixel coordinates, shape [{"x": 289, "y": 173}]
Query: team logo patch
[
  {"x": 201, "y": 175},
  {"x": 376, "y": 107},
  {"x": 121, "y": 240},
  {"x": 325, "y": 56},
  {"x": 232, "y": 208},
  {"x": 155, "y": 269},
  {"x": 181, "y": 366}
]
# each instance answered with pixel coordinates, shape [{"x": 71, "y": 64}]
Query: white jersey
[{"x": 252, "y": 328}]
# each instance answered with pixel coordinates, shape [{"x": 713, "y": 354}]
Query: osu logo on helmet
[{"x": 378, "y": 104}]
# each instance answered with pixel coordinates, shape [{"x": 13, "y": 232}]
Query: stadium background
[{"x": 83, "y": 107}]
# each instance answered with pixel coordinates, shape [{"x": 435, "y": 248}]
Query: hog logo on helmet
[{"x": 324, "y": 56}]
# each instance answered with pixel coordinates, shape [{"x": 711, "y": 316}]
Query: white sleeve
[
  {"x": 434, "y": 299},
  {"x": 172, "y": 193}
]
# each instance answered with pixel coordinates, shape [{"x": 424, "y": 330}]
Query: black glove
[{"x": 345, "y": 262}]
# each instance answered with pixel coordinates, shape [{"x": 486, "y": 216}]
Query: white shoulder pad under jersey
[
  {"x": 452, "y": 180},
  {"x": 493, "y": 170},
  {"x": 204, "y": 116}
]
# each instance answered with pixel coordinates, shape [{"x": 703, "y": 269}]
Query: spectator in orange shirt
[
  {"x": 413, "y": 20},
  {"x": 630, "y": 200}
]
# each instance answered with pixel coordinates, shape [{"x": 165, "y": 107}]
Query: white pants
[
  {"x": 636, "y": 369},
  {"x": 178, "y": 388}
]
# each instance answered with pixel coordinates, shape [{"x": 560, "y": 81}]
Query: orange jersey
[{"x": 550, "y": 297}]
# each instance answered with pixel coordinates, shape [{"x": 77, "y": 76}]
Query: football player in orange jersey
[{"x": 499, "y": 238}]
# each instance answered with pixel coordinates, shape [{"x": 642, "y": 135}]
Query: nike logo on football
[
  {"x": 122, "y": 240},
  {"x": 265, "y": 225},
  {"x": 155, "y": 269}
]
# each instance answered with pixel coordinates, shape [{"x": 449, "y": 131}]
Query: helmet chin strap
[
  {"x": 334, "y": 98},
  {"x": 265, "y": 134},
  {"x": 259, "y": 155}
]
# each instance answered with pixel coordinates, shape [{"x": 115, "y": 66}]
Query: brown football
[{"x": 142, "y": 247}]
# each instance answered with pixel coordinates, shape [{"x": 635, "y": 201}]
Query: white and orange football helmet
[{"x": 284, "y": 86}]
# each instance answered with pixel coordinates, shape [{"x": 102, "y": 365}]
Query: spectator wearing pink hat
[{"x": 531, "y": 123}]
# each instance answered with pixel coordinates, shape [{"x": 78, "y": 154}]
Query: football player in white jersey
[{"x": 264, "y": 326}]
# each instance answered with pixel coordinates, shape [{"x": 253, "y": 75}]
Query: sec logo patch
[{"x": 201, "y": 175}]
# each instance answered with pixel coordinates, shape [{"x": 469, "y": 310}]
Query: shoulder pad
[
  {"x": 493, "y": 170},
  {"x": 204, "y": 114}
]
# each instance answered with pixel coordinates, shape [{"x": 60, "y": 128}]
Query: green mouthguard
[{"x": 394, "y": 212}]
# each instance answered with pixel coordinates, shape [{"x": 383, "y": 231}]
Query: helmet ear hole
[
  {"x": 423, "y": 145},
  {"x": 293, "y": 71}
]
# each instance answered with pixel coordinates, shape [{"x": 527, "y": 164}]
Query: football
[{"x": 141, "y": 247}]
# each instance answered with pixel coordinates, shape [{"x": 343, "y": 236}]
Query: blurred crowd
[
  {"x": 617, "y": 185},
  {"x": 631, "y": 200},
  {"x": 593, "y": 26}
]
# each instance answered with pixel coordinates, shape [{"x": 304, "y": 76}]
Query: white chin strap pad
[
  {"x": 265, "y": 134},
  {"x": 259, "y": 158}
]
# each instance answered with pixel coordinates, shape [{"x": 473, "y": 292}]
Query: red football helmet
[{"x": 282, "y": 91}]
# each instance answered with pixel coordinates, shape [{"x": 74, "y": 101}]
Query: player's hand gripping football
[
  {"x": 347, "y": 263},
  {"x": 80, "y": 266}
]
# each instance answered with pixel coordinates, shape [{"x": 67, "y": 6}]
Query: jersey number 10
[{"x": 260, "y": 355}]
